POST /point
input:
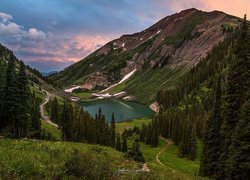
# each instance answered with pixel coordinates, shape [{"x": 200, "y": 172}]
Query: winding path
[
  {"x": 168, "y": 142},
  {"x": 44, "y": 117}
]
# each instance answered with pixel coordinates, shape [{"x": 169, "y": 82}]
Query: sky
[{"x": 52, "y": 34}]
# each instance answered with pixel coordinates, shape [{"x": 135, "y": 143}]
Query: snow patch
[
  {"x": 121, "y": 81},
  {"x": 155, "y": 34},
  {"x": 150, "y": 37},
  {"x": 119, "y": 94},
  {"x": 127, "y": 76},
  {"x": 106, "y": 95},
  {"x": 158, "y": 32},
  {"x": 72, "y": 89},
  {"x": 128, "y": 98}
]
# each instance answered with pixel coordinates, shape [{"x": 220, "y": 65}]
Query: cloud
[
  {"x": 237, "y": 8},
  {"x": 10, "y": 28},
  {"x": 60, "y": 32},
  {"x": 48, "y": 50},
  {"x": 5, "y": 17},
  {"x": 36, "y": 34}
]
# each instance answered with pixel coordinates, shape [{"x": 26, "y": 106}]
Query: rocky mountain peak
[{"x": 181, "y": 39}]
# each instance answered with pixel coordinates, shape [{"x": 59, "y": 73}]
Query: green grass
[
  {"x": 60, "y": 100},
  {"x": 121, "y": 126},
  {"x": 41, "y": 95},
  {"x": 183, "y": 165},
  {"x": 83, "y": 95},
  {"x": 55, "y": 132},
  {"x": 32, "y": 159},
  {"x": 117, "y": 89},
  {"x": 184, "y": 168},
  {"x": 147, "y": 83}
]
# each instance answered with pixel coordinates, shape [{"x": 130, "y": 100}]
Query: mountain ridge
[{"x": 175, "y": 43}]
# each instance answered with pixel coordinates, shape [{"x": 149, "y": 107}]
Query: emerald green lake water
[{"x": 124, "y": 110}]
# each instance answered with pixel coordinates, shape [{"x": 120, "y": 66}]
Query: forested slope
[{"x": 210, "y": 103}]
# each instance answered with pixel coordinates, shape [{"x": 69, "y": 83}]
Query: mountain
[
  {"x": 159, "y": 55},
  {"x": 34, "y": 75},
  {"x": 48, "y": 73}
]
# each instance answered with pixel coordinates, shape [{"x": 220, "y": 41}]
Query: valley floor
[
  {"x": 33, "y": 158},
  {"x": 163, "y": 160}
]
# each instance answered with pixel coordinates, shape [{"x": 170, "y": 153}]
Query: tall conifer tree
[
  {"x": 237, "y": 88},
  {"x": 10, "y": 101},
  {"x": 118, "y": 142},
  {"x": 112, "y": 130},
  {"x": 124, "y": 144},
  {"x": 193, "y": 142},
  {"x": 22, "y": 123},
  {"x": 237, "y": 165},
  {"x": 55, "y": 111},
  {"x": 211, "y": 140}
]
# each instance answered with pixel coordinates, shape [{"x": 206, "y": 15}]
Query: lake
[{"x": 124, "y": 110}]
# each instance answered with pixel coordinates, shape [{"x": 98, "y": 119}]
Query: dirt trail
[
  {"x": 168, "y": 142},
  {"x": 42, "y": 106}
]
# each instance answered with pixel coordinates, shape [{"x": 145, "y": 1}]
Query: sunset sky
[{"x": 51, "y": 34}]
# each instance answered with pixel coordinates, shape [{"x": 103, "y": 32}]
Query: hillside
[
  {"x": 159, "y": 55},
  {"x": 32, "y": 159},
  {"x": 35, "y": 77}
]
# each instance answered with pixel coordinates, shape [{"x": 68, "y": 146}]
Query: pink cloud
[
  {"x": 237, "y": 8},
  {"x": 71, "y": 48},
  {"x": 89, "y": 43}
]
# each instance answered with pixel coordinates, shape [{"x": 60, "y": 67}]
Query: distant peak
[{"x": 189, "y": 10}]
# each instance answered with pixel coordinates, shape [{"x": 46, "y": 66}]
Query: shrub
[{"x": 88, "y": 166}]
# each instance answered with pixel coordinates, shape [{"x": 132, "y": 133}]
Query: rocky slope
[{"x": 165, "y": 50}]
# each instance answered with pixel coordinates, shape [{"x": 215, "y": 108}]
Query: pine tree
[
  {"x": 118, "y": 142},
  {"x": 237, "y": 165},
  {"x": 107, "y": 135},
  {"x": 2, "y": 85},
  {"x": 66, "y": 122},
  {"x": 237, "y": 88},
  {"x": 79, "y": 127},
  {"x": 135, "y": 152},
  {"x": 193, "y": 143},
  {"x": 143, "y": 132},
  {"x": 112, "y": 130},
  {"x": 211, "y": 141},
  {"x": 22, "y": 123},
  {"x": 55, "y": 111},
  {"x": 10, "y": 101},
  {"x": 124, "y": 144},
  {"x": 148, "y": 134},
  {"x": 35, "y": 117},
  {"x": 154, "y": 139},
  {"x": 185, "y": 135}
]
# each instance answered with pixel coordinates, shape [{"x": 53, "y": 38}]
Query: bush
[
  {"x": 135, "y": 152},
  {"x": 88, "y": 166}
]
